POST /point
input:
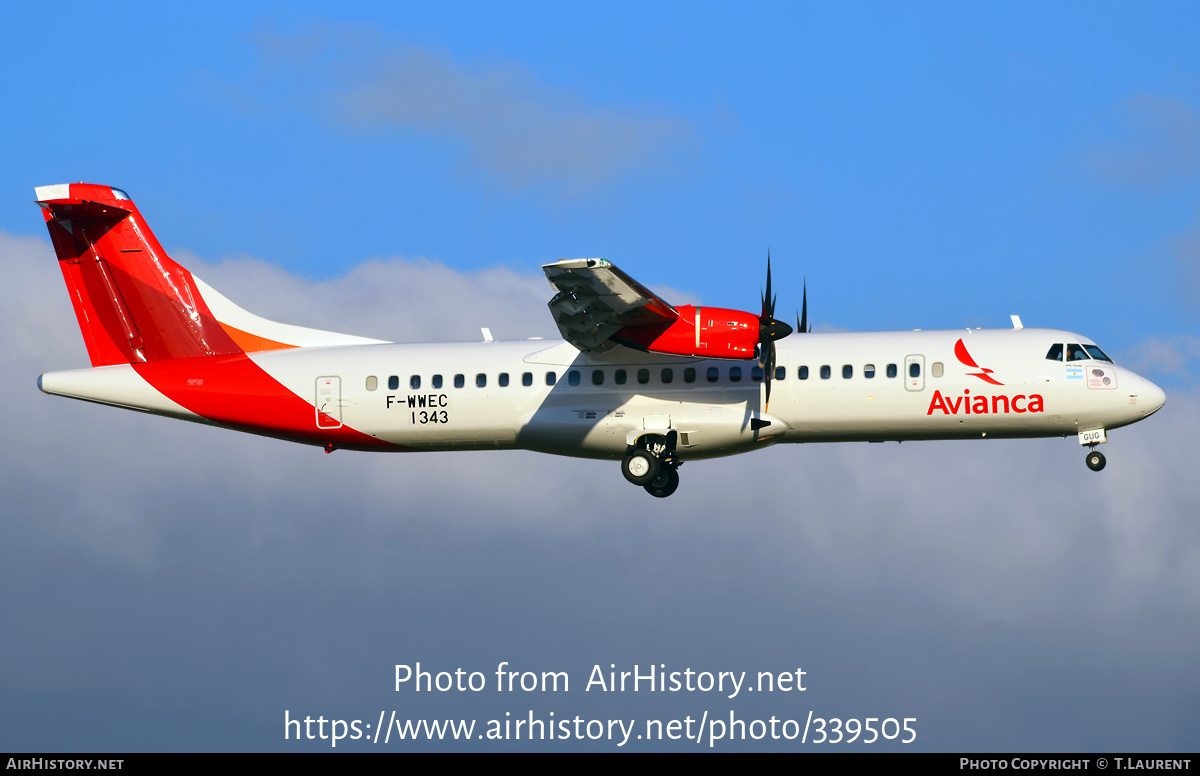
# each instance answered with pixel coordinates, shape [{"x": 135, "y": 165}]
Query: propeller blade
[
  {"x": 769, "y": 330},
  {"x": 802, "y": 321}
]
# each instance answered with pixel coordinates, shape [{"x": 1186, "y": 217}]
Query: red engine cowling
[{"x": 707, "y": 332}]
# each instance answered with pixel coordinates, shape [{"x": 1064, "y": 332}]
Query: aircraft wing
[{"x": 595, "y": 300}]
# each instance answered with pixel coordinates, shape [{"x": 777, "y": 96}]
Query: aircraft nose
[{"x": 1155, "y": 397}]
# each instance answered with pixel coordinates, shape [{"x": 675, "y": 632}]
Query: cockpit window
[
  {"x": 1097, "y": 353},
  {"x": 1055, "y": 353},
  {"x": 1076, "y": 353}
]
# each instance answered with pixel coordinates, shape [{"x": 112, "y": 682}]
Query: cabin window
[
  {"x": 1097, "y": 353},
  {"x": 527, "y": 379},
  {"x": 459, "y": 381},
  {"x": 437, "y": 381},
  {"x": 826, "y": 372},
  {"x": 891, "y": 370},
  {"x": 937, "y": 370},
  {"x": 372, "y": 383},
  {"x": 1055, "y": 353},
  {"x": 689, "y": 375},
  {"x": 914, "y": 369},
  {"x": 756, "y": 374},
  {"x": 869, "y": 371},
  {"x": 780, "y": 373},
  {"x": 847, "y": 372},
  {"x": 620, "y": 376},
  {"x": 802, "y": 373},
  {"x": 481, "y": 380},
  {"x": 573, "y": 377},
  {"x": 597, "y": 377},
  {"x": 414, "y": 382},
  {"x": 643, "y": 376},
  {"x": 735, "y": 374},
  {"x": 668, "y": 375},
  {"x": 713, "y": 374},
  {"x": 550, "y": 377},
  {"x": 1076, "y": 353},
  {"x": 393, "y": 383},
  {"x": 503, "y": 379}
]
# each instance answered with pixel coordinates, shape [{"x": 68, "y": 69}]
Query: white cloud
[
  {"x": 1153, "y": 143},
  {"x": 515, "y": 125},
  {"x": 237, "y": 555}
]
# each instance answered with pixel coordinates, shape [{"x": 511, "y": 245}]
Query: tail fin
[{"x": 135, "y": 304}]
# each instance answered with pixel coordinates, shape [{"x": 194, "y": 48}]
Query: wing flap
[{"x": 595, "y": 300}]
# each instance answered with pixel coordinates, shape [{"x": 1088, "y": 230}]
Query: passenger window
[
  {"x": 459, "y": 381},
  {"x": 668, "y": 375},
  {"x": 620, "y": 377},
  {"x": 869, "y": 371},
  {"x": 480, "y": 380},
  {"x": 597, "y": 377},
  {"x": 503, "y": 379},
  {"x": 393, "y": 383},
  {"x": 550, "y": 377},
  {"x": 937, "y": 369},
  {"x": 372, "y": 383},
  {"x": 1055, "y": 353},
  {"x": 914, "y": 369},
  {"x": 643, "y": 376},
  {"x": 1076, "y": 353},
  {"x": 527, "y": 379},
  {"x": 713, "y": 374},
  {"x": 847, "y": 372},
  {"x": 802, "y": 373},
  {"x": 573, "y": 377},
  {"x": 414, "y": 382},
  {"x": 735, "y": 374},
  {"x": 826, "y": 372},
  {"x": 780, "y": 373},
  {"x": 689, "y": 375},
  {"x": 756, "y": 374},
  {"x": 891, "y": 370},
  {"x": 437, "y": 381}
]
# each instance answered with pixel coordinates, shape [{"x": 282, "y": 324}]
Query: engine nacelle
[{"x": 706, "y": 332}]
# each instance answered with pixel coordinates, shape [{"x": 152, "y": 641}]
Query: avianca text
[{"x": 999, "y": 404}]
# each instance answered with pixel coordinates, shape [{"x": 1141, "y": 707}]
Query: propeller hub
[{"x": 773, "y": 329}]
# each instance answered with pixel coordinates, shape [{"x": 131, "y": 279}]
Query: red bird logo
[{"x": 960, "y": 352}]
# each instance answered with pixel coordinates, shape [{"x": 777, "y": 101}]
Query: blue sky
[{"x": 402, "y": 171}]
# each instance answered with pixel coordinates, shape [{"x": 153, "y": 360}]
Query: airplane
[{"x": 634, "y": 379}]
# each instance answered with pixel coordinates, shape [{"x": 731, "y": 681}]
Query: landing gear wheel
[
  {"x": 640, "y": 467},
  {"x": 665, "y": 483},
  {"x": 1095, "y": 461}
]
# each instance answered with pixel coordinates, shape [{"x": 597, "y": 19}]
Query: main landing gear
[
  {"x": 1095, "y": 459},
  {"x": 652, "y": 464}
]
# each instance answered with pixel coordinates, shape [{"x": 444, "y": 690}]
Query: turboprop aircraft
[{"x": 634, "y": 379}]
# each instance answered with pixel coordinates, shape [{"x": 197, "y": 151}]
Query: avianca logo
[
  {"x": 985, "y": 405},
  {"x": 960, "y": 352}
]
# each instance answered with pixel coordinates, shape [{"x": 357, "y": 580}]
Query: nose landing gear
[{"x": 1095, "y": 459}]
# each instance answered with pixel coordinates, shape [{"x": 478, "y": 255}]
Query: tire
[
  {"x": 640, "y": 467},
  {"x": 666, "y": 483},
  {"x": 1095, "y": 461}
]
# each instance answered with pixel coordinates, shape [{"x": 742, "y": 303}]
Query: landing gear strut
[
  {"x": 651, "y": 463},
  {"x": 1095, "y": 459}
]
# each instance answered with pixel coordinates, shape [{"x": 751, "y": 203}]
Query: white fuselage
[{"x": 598, "y": 404}]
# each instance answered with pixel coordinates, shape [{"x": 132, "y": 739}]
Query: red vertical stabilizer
[{"x": 134, "y": 304}]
